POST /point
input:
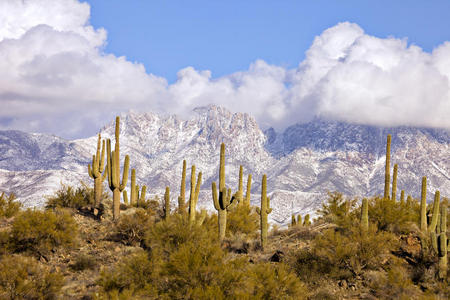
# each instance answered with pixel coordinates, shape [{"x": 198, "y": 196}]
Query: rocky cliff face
[{"x": 302, "y": 163}]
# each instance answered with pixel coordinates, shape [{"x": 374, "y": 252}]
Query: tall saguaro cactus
[
  {"x": 443, "y": 243},
  {"x": 387, "y": 175},
  {"x": 263, "y": 212},
  {"x": 96, "y": 171},
  {"x": 240, "y": 192},
  {"x": 181, "y": 198},
  {"x": 247, "y": 193},
  {"x": 167, "y": 203},
  {"x": 434, "y": 218},
  {"x": 193, "y": 197},
  {"x": 222, "y": 201},
  {"x": 113, "y": 171},
  {"x": 394, "y": 183},
  {"x": 423, "y": 205}
]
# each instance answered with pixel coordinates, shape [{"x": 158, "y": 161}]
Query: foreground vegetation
[{"x": 85, "y": 245}]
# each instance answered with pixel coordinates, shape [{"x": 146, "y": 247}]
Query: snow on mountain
[{"x": 302, "y": 163}]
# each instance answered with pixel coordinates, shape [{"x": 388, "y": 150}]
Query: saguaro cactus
[
  {"x": 222, "y": 201},
  {"x": 140, "y": 196},
  {"x": 299, "y": 220},
  {"x": 96, "y": 171},
  {"x": 307, "y": 221},
  {"x": 113, "y": 171},
  {"x": 387, "y": 175},
  {"x": 365, "y": 215},
  {"x": 181, "y": 198},
  {"x": 167, "y": 203},
  {"x": 293, "y": 220},
  {"x": 402, "y": 198},
  {"x": 394, "y": 184},
  {"x": 193, "y": 197},
  {"x": 247, "y": 193},
  {"x": 442, "y": 243},
  {"x": 423, "y": 206},
  {"x": 240, "y": 192},
  {"x": 263, "y": 212},
  {"x": 435, "y": 217}
]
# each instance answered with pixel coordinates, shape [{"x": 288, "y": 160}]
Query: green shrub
[
  {"x": 70, "y": 197},
  {"x": 8, "y": 205},
  {"x": 243, "y": 219},
  {"x": 353, "y": 251},
  {"x": 131, "y": 228},
  {"x": 42, "y": 231},
  {"x": 83, "y": 262},
  {"x": 393, "y": 216},
  {"x": 23, "y": 278},
  {"x": 338, "y": 210},
  {"x": 274, "y": 281}
]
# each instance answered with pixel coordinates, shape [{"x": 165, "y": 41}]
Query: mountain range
[{"x": 302, "y": 163}]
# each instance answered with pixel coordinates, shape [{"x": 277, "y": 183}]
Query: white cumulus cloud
[{"x": 55, "y": 77}]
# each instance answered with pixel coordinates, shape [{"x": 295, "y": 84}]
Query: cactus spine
[
  {"x": 442, "y": 243},
  {"x": 113, "y": 171},
  {"x": 263, "y": 212},
  {"x": 181, "y": 198},
  {"x": 167, "y": 203},
  {"x": 249, "y": 187},
  {"x": 224, "y": 200},
  {"x": 193, "y": 197},
  {"x": 365, "y": 215},
  {"x": 423, "y": 206},
  {"x": 240, "y": 192},
  {"x": 394, "y": 184},
  {"x": 96, "y": 171},
  {"x": 387, "y": 175}
]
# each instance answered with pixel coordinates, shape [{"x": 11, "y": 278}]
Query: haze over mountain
[{"x": 302, "y": 163}]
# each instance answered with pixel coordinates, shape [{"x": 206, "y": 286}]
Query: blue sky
[
  {"x": 226, "y": 36},
  {"x": 69, "y": 66}
]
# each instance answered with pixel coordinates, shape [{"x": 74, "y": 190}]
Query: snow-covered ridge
[{"x": 302, "y": 163}]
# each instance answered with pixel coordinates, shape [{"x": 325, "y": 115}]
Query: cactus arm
[
  {"x": 143, "y": 193},
  {"x": 258, "y": 210},
  {"x": 125, "y": 197},
  {"x": 167, "y": 203},
  {"x": 108, "y": 163},
  {"x": 192, "y": 191},
  {"x": 249, "y": 186},
  {"x": 102, "y": 158},
  {"x": 197, "y": 187},
  {"x": 90, "y": 171},
  {"x": 125, "y": 173},
  {"x": 214, "y": 195}
]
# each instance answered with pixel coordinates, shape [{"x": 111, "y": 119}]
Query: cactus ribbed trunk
[
  {"x": 240, "y": 193},
  {"x": 116, "y": 203},
  {"x": 181, "y": 198},
  {"x": 98, "y": 191},
  {"x": 222, "y": 216},
  {"x": 387, "y": 175},
  {"x": 402, "y": 198},
  {"x": 293, "y": 221},
  {"x": 443, "y": 243},
  {"x": 167, "y": 203},
  {"x": 193, "y": 198},
  {"x": 423, "y": 206},
  {"x": 249, "y": 187},
  {"x": 263, "y": 212},
  {"x": 394, "y": 184}
]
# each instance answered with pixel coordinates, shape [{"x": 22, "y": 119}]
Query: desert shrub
[
  {"x": 131, "y": 228},
  {"x": 353, "y": 251},
  {"x": 274, "y": 281},
  {"x": 393, "y": 216},
  {"x": 41, "y": 231},
  {"x": 243, "y": 219},
  {"x": 310, "y": 267},
  {"x": 8, "y": 205},
  {"x": 83, "y": 262},
  {"x": 393, "y": 284},
  {"x": 134, "y": 275},
  {"x": 23, "y": 278},
  {"x": 338, "y": 210},
  {"x": 71, "y": 197}
]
